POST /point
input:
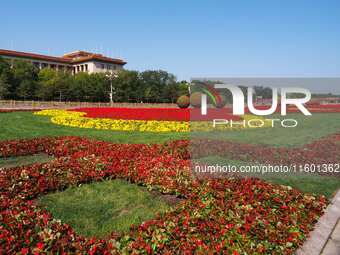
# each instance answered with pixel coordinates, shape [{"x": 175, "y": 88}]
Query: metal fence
[{"x": 13, "y": 104}]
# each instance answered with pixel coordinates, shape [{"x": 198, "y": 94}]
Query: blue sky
[{"x": 187, "y": 38}]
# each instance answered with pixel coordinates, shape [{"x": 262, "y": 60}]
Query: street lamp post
[
  {"x": 111, "y": 93},
  {"x": 111, "y": 76}
]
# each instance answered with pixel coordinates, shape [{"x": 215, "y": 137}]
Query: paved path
[
  {"x": 333, "y": 243},
  {"x": 325, "y": 238}
]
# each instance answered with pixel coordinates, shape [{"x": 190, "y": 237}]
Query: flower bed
[
  {"x": 168, "y": 114},
  {"x": 77, "y": 119},
  {"x": 175, "y": 114},
  {"x": 159, "y": 114},
  {"x": 229, "y": 216},
  {"x": 322, "y": 151}
]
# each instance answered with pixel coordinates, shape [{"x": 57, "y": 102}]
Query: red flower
[
  {"x": 40, "y": 246},
  {"x": 168, "y": 114},
  {"x": 24, "y": 251}
]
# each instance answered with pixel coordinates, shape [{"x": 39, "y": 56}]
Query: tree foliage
[
  {"x": 22, "y": 80},
  {"x": 5, "y": 80}
]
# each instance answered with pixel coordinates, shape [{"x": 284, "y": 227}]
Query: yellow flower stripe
[{"x": 77, "y": 119}]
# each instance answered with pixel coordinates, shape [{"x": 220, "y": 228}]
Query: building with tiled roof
[{"x": 75, "y": 62}]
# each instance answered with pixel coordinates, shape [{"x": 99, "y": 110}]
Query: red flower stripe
[
  {"x": 176, "y": 114},
  {"x": 169, "y": 114}
]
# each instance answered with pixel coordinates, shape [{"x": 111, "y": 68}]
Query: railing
[{"x": 13, "y": 104}]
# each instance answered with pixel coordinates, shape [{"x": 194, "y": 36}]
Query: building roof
[
  {"x": 70, "y": 58},
  {"x": 77, "y": 54},
  {"x": 19, "y": 54},
  {"x": 83, "y": 56}
]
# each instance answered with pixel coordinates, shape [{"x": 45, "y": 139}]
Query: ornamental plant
[{"x": 183, "y": 102}]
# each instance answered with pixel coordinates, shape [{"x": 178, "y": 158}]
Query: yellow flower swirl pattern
[{"x": 78, "y": 119}]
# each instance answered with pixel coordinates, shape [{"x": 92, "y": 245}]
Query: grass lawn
[
  {"x": 307, "y": 183},
  {"x": 24, "y": 160},
  {"x": 97, "y": 209},
  {"x": 19, "y": 125}
]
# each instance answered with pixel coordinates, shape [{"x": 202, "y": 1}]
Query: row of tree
[{"x": 23, "y": 81}]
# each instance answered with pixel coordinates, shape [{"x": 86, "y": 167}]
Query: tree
[
  {"x": 183, "y": 88},
  {"x": 4, "y": 87},
  {"x": 5, "y": 79},
  {"x": 62, "y": 84},
  {"x": 170, "y": 93},
  {"x": 98, "y": 87},
  {"x": 128, "y": 87},
  {"x": 25, "y": 77},
  {"x": 54, "y": 85},
  {"x": 80, "y": 89},
  {"x": 24, "y": 80},
  {"x": 175, "y": 90},
  {"x": 26, "y": 89},
  {"x": 156, "y": 85},
  {"x": 90, "y": 87}
]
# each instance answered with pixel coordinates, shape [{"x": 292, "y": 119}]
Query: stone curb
[{"x": 320, "y": 240}]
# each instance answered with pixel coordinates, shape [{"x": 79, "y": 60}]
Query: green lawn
[
  {"x": 97, "y": 209},
  {"x": 307, "y": 183},
  {"x": 26, "y": 125},
  {"x": 24, "y": 160},
  {"x": 18, "y": 125}
]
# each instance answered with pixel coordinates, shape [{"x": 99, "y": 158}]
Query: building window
[
  {"x": 86, "y": 67},
  {"x": 102, "y": 66}
]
